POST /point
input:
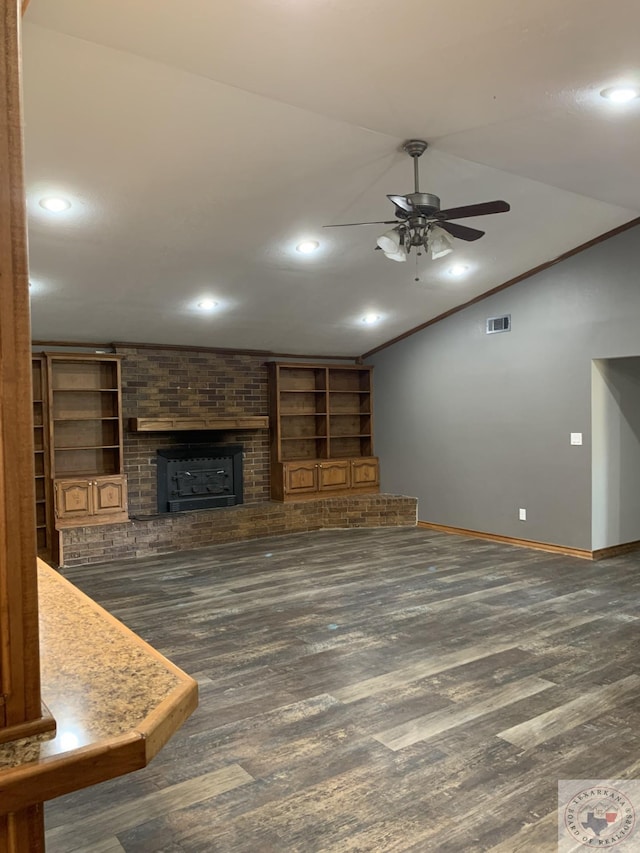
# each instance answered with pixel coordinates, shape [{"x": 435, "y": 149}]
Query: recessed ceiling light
[
  {"x": 458, "y": 269},
  {"x": 620, "y": 94},
  {"x": 307, "y": 246},
  {"x": 370, "y": 319},
  {"x": 207, "y": 304},
  {"x": 55, "y": 204}
]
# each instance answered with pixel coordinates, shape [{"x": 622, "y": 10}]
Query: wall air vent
[{"x": 498, "y": 324}]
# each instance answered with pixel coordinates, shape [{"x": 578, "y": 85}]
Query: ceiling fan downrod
[
  {"x": 425, "y": 204},
  {"x": 415, "y": 148}
]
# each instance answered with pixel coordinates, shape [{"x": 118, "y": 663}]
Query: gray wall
[
  {"x": 477, "y": 426},
  {"x": 615, "y": 402}
]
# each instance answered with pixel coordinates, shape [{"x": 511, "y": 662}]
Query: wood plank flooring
[{"x": 394, "y": 690}]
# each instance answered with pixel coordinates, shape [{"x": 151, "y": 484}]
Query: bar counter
[{"x": 116, "y": 700}]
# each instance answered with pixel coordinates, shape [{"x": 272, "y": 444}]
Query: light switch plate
[{"x": 576, "y": 438}]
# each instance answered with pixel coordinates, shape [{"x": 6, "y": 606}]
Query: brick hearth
[{"x": 184, "y": 531}]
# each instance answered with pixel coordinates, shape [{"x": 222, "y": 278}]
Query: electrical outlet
[
  {"x": 522, "y": 514},
  {"x": 576, "y": 438}
]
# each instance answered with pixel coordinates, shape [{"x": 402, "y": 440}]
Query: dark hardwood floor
[{"x": 370, "y": 690}]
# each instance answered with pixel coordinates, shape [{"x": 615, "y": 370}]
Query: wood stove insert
[{"x": 199, "y": 477}]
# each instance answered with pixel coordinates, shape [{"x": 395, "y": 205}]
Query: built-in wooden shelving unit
[
  {"x": 86, "y": 438},
  {"x": 321, "y": 430}
]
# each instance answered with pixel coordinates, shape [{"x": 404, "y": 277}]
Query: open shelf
[
  {"x": 81, "y": 405},
  {"x": 61, "y": 448},
  {"x": 85, "y": 437},
  {"x": 348, "y": 403},
  {"x": 348, "y": 447},
  {"x": 87, "y": 418},
  {"x": 45, "y": 535},
  {"x": 84, "y": 474},
  {"x": 84, "y": 373},
  {"x": 298, "y": 378},
  {"x": 320, "y": 413},
  {"x": 315, "y": 403},
  {"x": 86, "y": 433},
  {"x": 86, "y": 461},
  {"x": 304, "y": 426},
  {"x": 304, "y": 448},
  {"x": 349, "y": 380}
]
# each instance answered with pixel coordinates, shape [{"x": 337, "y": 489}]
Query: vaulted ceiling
[{"x": 199, "y": 142}]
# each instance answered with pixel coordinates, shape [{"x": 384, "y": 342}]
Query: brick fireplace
[
  {"x": 181, "y": 384},
  {"x": 175, "y": 383}
]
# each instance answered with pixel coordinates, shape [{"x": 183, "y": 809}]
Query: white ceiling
[{"x": 200, "y": 141}]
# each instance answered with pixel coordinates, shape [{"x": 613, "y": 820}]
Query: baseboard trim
[
  {"x": 521, "y": 543},
  {"x": 616, "y": 550}
]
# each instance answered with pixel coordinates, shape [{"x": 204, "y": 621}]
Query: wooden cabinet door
[
  {"x": 73, "y": 498},
  {"x": 300, "y": 477},
  {"x": 334, "y": 474},
  {"x": 109, "y": 495},
  {"x": 365, "y": 472}
]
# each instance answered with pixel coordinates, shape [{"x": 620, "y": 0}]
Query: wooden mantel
[{"x": 223, "y": 422}]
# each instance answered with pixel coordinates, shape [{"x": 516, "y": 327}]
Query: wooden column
[{"x": 19, "y": 653}]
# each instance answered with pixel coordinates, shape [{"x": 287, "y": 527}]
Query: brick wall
[
  {"x": 187, "y": 530},
  {"x": 180, "y": 383}
]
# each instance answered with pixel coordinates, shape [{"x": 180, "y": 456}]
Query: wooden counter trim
[
  {"x": 52, "y": 777},
  {"x": 224, "y": 422},
  {"x": 24, "y": 783},
  {"x": 509, "y": 540},
  {"x": 43, "y": 780},
  {"x": 160, "y": 725},
  {"x": 44, "y": 724}
]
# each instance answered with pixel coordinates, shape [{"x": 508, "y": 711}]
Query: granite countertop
[{"x": 115, "y": 699}]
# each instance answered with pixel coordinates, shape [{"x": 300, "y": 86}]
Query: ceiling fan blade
[
  {"x": 463, "y": 232},
  {"x": 349, "y": 224},
  {"x": 401, "y": 202},
  {"x": 475, "y": 210}
]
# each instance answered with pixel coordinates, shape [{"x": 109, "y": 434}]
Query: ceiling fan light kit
[
  {"x": 421, "y": 223},
  {"x": 393, "y": 245},
  {"x": 439, "y": 242},
  {"x": 400, "y": 255}
]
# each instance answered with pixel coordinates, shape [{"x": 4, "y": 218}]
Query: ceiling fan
[{"x": 420, "y": 222}]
